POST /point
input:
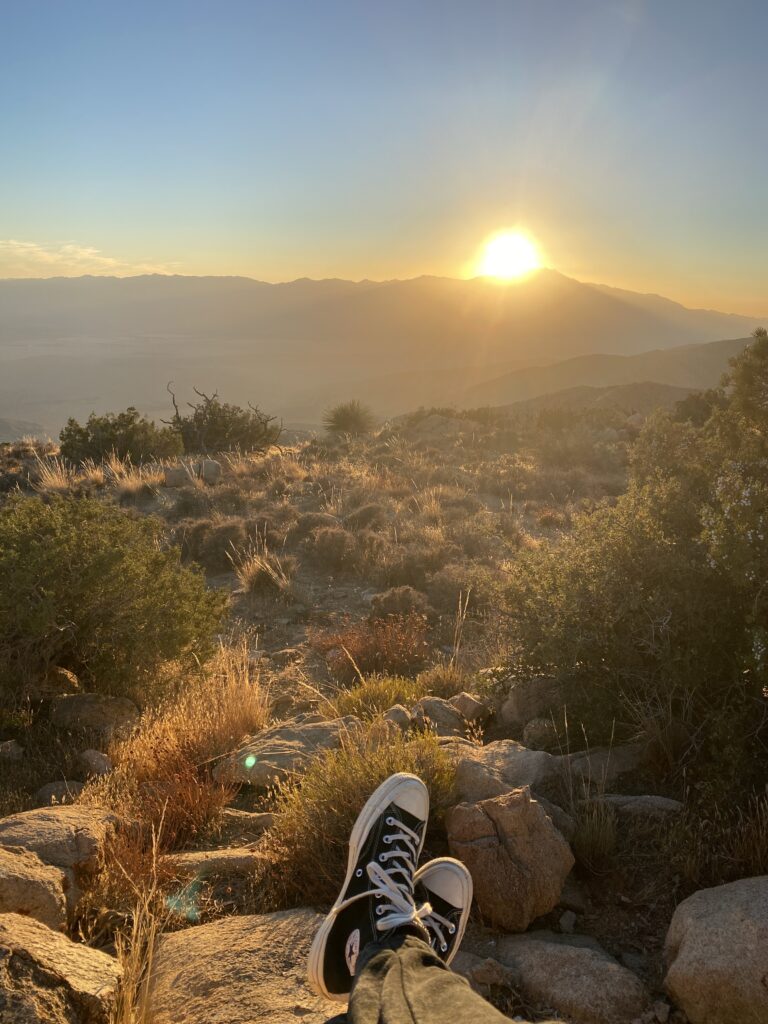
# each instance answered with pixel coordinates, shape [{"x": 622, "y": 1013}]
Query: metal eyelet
[
  {"x": 379, "y": 911},
  {"x": 443, "y": 946},
  {"x": 390, "y": 821},
  {"x": 387, "y": 840},
  {"x": 359, "y": 873},
  {"x": 451, "y": 928},
  {"x": 382, "y": 858}
]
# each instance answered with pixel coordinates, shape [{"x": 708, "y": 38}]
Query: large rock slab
[
  {"x": 239, "y": 970},
  {"x": 67, "y": 837},
  {"x": 45, "y": 978},
  {"x": 94, "y": 712},
  {"x": 638, "y": 808},
  {"x": 222, "y": 863},
  {"x": 602, "y": 767},
  {"x": 717, "y": 954},
  {"x": 282, "y": 750},
  {"x": 517, "y": 858},
  {"x": 572, "y": 976},
  {"x": 496, "y": 768},
  {"x": 32, "y": 888}
]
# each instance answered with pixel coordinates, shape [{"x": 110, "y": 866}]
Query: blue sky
[{"x": 367, "y": 139}]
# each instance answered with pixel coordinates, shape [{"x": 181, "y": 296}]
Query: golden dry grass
[{"x": 306, "y": 849}]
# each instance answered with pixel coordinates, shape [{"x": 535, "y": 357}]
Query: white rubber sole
[
  {"x": 374, "y": 806},
  {"x": 465, "y": 882}
]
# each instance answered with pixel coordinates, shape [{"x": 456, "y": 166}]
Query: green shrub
[
  {"x": 126, "y": 434},
  {"x": 349, "y": 418},
  {"x": 85, "y": 586},
  {"x": 215, "y": 426}
]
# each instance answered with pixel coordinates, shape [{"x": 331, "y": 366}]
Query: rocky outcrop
[
  {"x": 483, "y": 772},
  {"x": 31, "y": 888},
  {"x": 10, "y": 750},
  {"x": 94, "y": 712},
  {"x": 517, "y": 858},
  {"x": 244, "y": 826},
  {"x": 47, "y": 979},
  {"x": 283, "y": 749},
  {"x": 570, "y": 975},
  {"x": 67, "y": 837},
  {"x": 717, "y": 954},
  {"x": 239, "y": 970}
]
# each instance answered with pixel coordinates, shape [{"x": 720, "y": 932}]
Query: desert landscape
[{"x": 383, "y": 513}]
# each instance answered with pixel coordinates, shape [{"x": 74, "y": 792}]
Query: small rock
[
  {"x": 45, "y": 978},
  {"x": 568, "y": 922},
  {"x": 93, "y": 762},
  {"x": 95, "y": 712},
  {"x": 176, "y": 476},
  {"x": 399, "y": 716},
  {"x": 53, "y": 793},
  {"x": 31, "y": 888},
  {"x": 439, "y": 715},
  {"x": 209, "y": 471},
  {"x": 517, "y": 858},
  {"x": 10, "y": 750},
  {"x": 661, "y": 1011},
  {"x": 636, "y": 807},
  {"x": 472, "y": 708}
]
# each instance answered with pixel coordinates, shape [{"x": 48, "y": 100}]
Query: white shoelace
[
  {"x": 435, "y": 923},
  {"x": 398, "y": 908}
]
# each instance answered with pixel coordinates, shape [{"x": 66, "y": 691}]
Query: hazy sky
[{"x": 387, "y": 138}]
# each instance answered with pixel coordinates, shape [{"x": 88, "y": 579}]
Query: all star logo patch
[{"x": 352, "y": 949}]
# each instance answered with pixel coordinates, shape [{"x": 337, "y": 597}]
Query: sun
[{"x": 508, "y": 255}]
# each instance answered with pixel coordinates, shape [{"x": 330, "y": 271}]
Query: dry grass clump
[
  {"x": 377, "y": 694},
  {"x": 210, "y": 542},
  {"x": 306, "y": 850},
  {"x": 261, "y": 571},
  {"x": 397, "y": 645},
  {"x": 722, "y": 845},
  {"x": 594, "y": 839},
  {"x": 163, "y": 769},
  {"x": 366, "y": 517},
  {"x": 399, "y": 601},
  {"x": 332, "y": 548}
]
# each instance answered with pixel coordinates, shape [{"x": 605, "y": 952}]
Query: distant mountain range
[
  {"x": 68, "y": 346},
  {"x": 642, "y": 397}
]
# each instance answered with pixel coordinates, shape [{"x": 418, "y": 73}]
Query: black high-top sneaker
[
  {"x": 444, "y": 885},
  {"x": 377, "y": 895}
]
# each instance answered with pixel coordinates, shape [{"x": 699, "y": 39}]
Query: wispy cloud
[{"x": 68, "y": 259}]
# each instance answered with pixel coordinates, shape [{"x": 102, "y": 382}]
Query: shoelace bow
[{"x": 398, "y": 908}]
